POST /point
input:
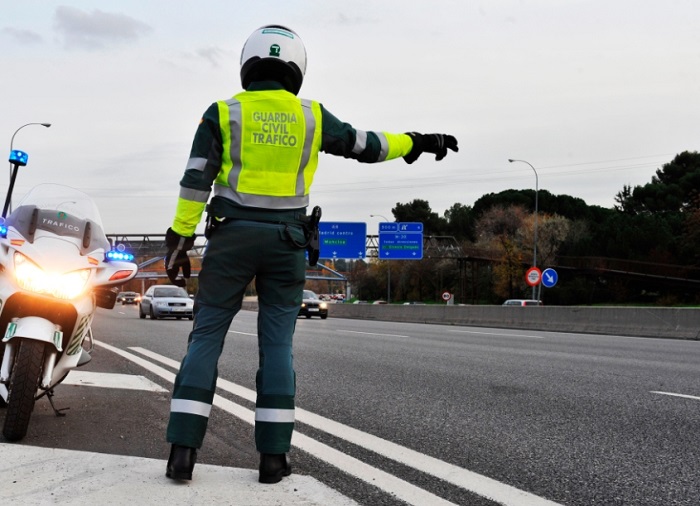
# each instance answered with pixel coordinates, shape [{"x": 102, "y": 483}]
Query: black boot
[
  {"x": 181, "y": 462},
  {"x": 274, "y": 467}
]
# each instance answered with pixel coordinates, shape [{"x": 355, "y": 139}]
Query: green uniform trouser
[{"x": 239, "y": 251}]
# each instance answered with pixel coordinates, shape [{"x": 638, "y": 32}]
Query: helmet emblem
[{"x": 275, "y": 50}]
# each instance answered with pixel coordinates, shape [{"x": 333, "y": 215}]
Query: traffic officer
[{"x": 259, "y": 152}]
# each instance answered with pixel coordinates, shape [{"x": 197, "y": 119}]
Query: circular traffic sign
[
  {"x": 446, "y": 296},
  {"x": 549, "y": 278},
  {"x": 533, "y": 276}
]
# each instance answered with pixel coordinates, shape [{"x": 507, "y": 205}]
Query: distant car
[
  {"x": 311, "y": 305},
  {"x": 379, "y": 302},
  {"x": 522, "y": 302},
  {"x": 128, "y": 298},
  {"x": 166, "y": 301}
]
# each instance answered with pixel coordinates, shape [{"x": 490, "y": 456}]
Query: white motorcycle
[{"x": 56, "y": 268}]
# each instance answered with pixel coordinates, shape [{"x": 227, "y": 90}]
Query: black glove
[
  {"x": 177, "y": 258},
  {"x": 438, "y": 144}
]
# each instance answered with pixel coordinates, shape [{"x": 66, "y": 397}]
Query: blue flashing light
[
  {"x": 18, "y": 157},
  {"x": 3, "y": 230},
  {"x": 119, "y": 255}
]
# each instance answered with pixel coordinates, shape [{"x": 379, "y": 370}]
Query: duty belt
[{"x": 308, "y": 223}]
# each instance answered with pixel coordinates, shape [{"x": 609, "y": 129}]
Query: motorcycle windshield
[{"x": 62, "y": 211}]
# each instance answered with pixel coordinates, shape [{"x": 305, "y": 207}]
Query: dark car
[
  {"x": 166, "y": 301},
  {"x": 311, "y": 305},
  {"x": 129, "y": 298}
]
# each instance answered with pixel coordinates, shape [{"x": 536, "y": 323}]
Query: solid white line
[
  {"x": 395, "y": 486},
  {"x": 242, "y": 333},
  {"x": 370, "y": 333},
  {"x": 494, "y": 334},
  {"x": 468, "y": 480},
  {"x": 678, "y": 395},
  {"x": 402, "y": 489}
]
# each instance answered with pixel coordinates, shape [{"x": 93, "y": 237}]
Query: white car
[
  {"x": 166, "y": 301},
  {"x": 522, "y": 302}
]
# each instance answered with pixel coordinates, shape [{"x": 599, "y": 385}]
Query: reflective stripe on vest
[{"x": 271, "y": 141}]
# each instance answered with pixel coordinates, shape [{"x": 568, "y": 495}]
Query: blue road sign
[
  {"x": 549, "y": 278},
  {"x": 342, "y": 239},
  {"x": 400, "y": 241}
]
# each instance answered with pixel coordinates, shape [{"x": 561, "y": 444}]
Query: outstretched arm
[{"x": 342, "y": 139}]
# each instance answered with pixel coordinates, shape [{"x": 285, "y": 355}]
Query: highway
[{"x": 399, "y": 413}]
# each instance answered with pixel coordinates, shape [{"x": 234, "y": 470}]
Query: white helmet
[{"x": 276, "y": 53}]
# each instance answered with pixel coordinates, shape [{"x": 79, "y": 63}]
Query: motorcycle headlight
[{"x": 62, "y": 286}]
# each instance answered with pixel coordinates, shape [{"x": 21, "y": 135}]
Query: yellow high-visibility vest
[{"x": 271, "y": 141}]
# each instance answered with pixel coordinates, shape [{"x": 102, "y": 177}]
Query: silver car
[{"x": 166, "y": 301}]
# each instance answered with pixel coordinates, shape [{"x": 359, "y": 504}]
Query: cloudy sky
[{"x": 595, "y": 94}]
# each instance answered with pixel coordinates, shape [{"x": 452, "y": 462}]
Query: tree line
[{"x": 646, "y": 249}]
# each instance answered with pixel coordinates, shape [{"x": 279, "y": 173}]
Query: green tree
[
  {"x": 420, "y": 211},
  {"x": 563, "y": 205},
  {"x": 690, "y": 239},
  {"x": 460, "y": 222},
  {"x": 672, "y": 188},
  {"x": 624, "y": 201},
  {"x": 501, "y": 228},
  {"x": 552, "y": 232}
]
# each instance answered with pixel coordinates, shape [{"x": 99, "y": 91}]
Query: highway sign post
[
  {"x": 342, "y": 240},
  {"x": 400, "y": 241}
]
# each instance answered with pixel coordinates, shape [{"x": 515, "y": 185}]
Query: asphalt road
[{"x": 392, "y": 413}]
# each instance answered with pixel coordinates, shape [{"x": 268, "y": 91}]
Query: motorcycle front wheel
[{"x": 24, "y": 382}]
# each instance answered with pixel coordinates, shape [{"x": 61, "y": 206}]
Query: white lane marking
[
  {"x": 370, "y": 333},
  {"x": 402, "y": 489},
  {"x": 495, "y": 334},
  {"x": 556, "y": 333},
  {"x": 380, "y": 479},
  {"x": 242, "y": 333},
  {"x": 695, "y": 398},
  {"x": 112, "y": 380},
  {"x": 468, "y": 480}
]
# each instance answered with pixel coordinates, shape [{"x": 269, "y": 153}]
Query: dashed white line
[
  {"x": 370, "y": 333},
  {"x": 242, "y": 333},
  {"x": 494, "y": 334},
  {"x": 695, "y": 398}
]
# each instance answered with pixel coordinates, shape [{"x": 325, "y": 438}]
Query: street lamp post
[
  {"x": 534, "y": 249},
  {"x": 12, "y": 143},
  {"x": 388, "y": 265}
]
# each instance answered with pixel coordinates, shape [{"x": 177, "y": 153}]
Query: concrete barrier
[{"x": 676, "y": 323}]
